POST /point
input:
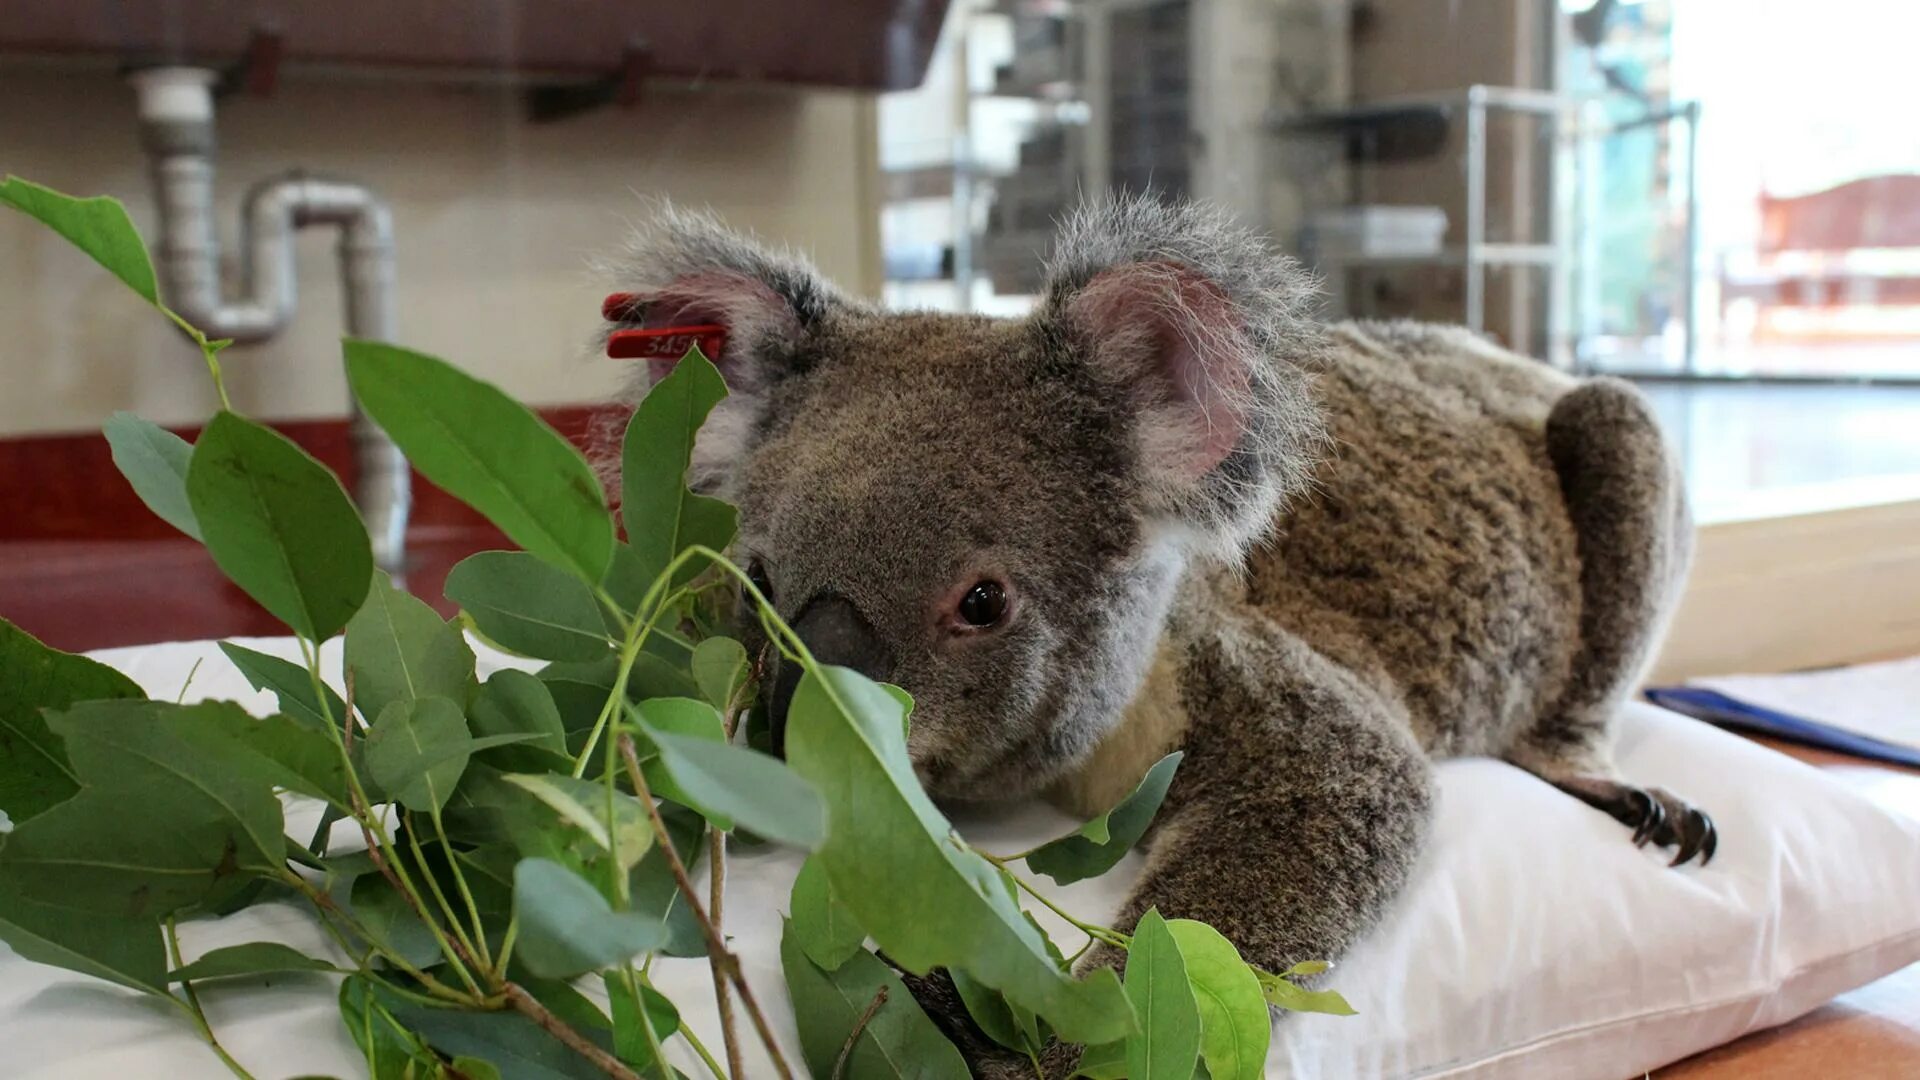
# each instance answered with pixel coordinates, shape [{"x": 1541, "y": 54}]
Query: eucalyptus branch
[
  {"x": 466, "y": 892},
  {"x": 331, "y": 911},
  {"x": 1092, "y": 930},
  {"x": 192, "y": 1005},
  {"x": 860, "y": 1025},
  {"x": 716, "y": 895},
  {"x": 640, "y": 1006},
  {"x": 717, "y": 951},
  {"x": 460, "y": 936},
  {"x": 524, "y": 1003}
]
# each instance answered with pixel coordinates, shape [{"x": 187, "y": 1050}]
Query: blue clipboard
[{"x": 1717, "y": 708}]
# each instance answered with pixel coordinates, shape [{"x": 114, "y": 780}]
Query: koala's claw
[{"x": 1654, "y": 814}]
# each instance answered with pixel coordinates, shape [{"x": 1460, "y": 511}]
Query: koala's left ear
[
  {"x": 1203, "y": 332},
  {"x": 686, "y": 269}
]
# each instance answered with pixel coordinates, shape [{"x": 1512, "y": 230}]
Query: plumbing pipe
[{"x": 176, "y": 123}]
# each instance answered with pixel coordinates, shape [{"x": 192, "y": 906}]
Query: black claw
[
  {"x": 1652, "y": 815},
  {"x": 1693, "y": 833},
  {"x": 1711, "y": 842}
]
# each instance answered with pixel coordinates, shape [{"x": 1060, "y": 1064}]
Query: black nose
[{"x": 836, "y": 633}]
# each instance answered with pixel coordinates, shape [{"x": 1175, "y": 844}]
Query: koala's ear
[
  {"x": 685, "y": 269},
  {"x": 1203, "y": 333}
]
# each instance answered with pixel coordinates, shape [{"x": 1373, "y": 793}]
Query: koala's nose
[{"x": 836, "y": 633}]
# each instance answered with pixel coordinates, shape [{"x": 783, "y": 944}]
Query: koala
[{"x": 1172, "y": 510}]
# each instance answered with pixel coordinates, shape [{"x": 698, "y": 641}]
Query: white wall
[{"x": 496, "y": 221}]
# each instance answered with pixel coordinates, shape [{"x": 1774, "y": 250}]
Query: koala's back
[{"x": 1434, "y": 556}]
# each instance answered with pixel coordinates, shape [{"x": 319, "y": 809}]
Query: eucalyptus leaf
[
  {"x": 118, "y": 948},
  {"x": 399, "y": 649},
  {"x": 417, "y": 751},
  {"x": 488, "y": 451},
  {"x": 291, "y": 684},
  {"x": 279, "y": 525},
  {"x": 390, "y": 922},
  {"x": 990, "y": 1011},
  {"x": 1098, "y": 845},
  {"x": 676, "y": 716},
  {"x": 750, "y": 788},
  {"x": 822, "y": 926},
  {"x": 925, "y": 899},
  {"x": 391, "y": 1051},
  {"x": 1235, "y": 1026},
  {"x": 897, "y": 1041},
  {"x": 520, "y": 1048},
  {"x": 525, "y": 604},
  {"x": 1168, "y": 1043},
  {"x": 719, "y": 665},
  {"x": 199, "y": 832},
  {"x": 582, "y": 804},
  {"x": 515, "y": 703},
  {"x": 256, "y": 958},
  {"x": 154, "y": 461},
  {"x": 567, "y": 928},
  {"x": 34, "y": 772},
  {"x": 98, "y": 226},
  {"x": 629, "y": 1037},
  {"x": 655, "y": 892},
  {"x": 272, "y": 750},
  {"x": 1282, "y": 993},
  {"x": 662, "y": 516}
]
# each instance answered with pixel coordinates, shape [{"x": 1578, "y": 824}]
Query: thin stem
[
  {"x": 860, "y": 1025},
  {"x": 524, "y": 1003},
  {"x": 706, "y": 1055},
  {"x": 1092, "y": 930},
  {"x": 379, "y": 846},
  {"x": 330, "y": 911},
  {"x": 209, "y": 351},
  {"x": 506, "y": 946},
  {"x": 460, "y": 883},
  {"x": 192, "y": 1005},
  {"x": 717, "y": 951},
  {"x": 439, "y": 895},
  {"x": 716, "y": 896},
  {"x": 629, "y": 653}
]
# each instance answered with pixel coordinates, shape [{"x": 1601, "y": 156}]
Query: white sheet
[
  {"x": 1880, "y": 700},
  {"x": 1535, "y": 940}
]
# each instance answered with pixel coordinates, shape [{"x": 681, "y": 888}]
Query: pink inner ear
[
  {"x": 1181, "y": 332},
  {"x": 748, "y": 308}
]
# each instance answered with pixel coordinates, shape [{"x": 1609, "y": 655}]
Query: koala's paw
[{"x": 1654, "y": 814}]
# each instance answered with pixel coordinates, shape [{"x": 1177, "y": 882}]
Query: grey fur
[{"x": 1475, "y": 556}]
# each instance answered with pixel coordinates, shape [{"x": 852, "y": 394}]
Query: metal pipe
[{"x": 176, "y": 113}]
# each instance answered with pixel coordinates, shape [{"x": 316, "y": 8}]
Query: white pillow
[{"x": 1534, "y": 941}]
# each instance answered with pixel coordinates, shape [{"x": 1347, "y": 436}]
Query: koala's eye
[
  {"x": 757, "y": 574},
  {"x": 983, "y": 606}
]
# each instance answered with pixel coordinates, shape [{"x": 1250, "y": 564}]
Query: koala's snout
[{"x": 835, "y": 632}]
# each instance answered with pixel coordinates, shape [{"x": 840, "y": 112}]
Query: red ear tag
[{"x": 667, "y": 342}]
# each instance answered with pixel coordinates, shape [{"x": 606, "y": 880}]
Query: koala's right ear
[{"x": 686, "y": 268}]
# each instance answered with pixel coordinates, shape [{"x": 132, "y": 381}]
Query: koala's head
[{"x": 993, "y": 513}]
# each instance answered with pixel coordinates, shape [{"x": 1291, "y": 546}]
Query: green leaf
[
  {"x": 750, "y": 788},
  {"x": 98, "y": 226},
  {"x": 580, "y": 690},
  {"x": 515, "y": 703},
  {"x": 1235, "y": 1027},
  {"x": 1099, "y": 844},
  {"x": 1107, "y": 1061},
  {"x": 390, "y": 922},
  {"x": 1168, "y": 1043},
  {"x": 989, "y": 1011},
  {"x": 566, "y": 926},
  {"x": 157, "y": 826},
  {"x": 583, "y": 805},
  {"x": 719, "y": 665},
  {"x": 488, "y": 451},
  {"x": 473, "y": 1068},
  {"x": 519, "y": 1047},
  {"x": 898, "y": 1041},
  {"x": 1308, "y": 967},
  {"x": 629, "y": 1037},
  {"x": 821, "y": 924},
  {"x": 677, "y": 716},
  {"x": 291, "y": 684},
  {"x": 662, "y": 516},
  {"x": 657, "y": 894},
  {"x": 417, "y": 751},
  {"x": 927, "y": 900},
  {"x": 120, "y": 949},
  {"x": 154, "y": 461},
  {"x": 34, "y": 773},
  {"x": 273, "y": 750},
  {"x": 391, "y": 1051},
  {"x": 257, "y": 958},
  {"x": 526, "y": 605},
  {"x": 399, "y": 650},
  {"x": 279, "y": 525},
  {"x": 1284, "y": 994}
]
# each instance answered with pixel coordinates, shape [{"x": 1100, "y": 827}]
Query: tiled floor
[{"x": 1766, "y": 450}]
